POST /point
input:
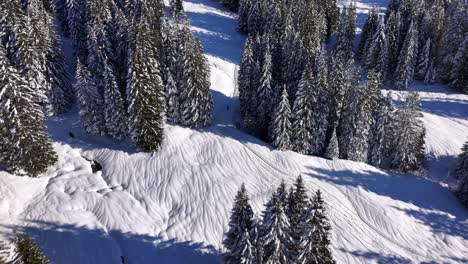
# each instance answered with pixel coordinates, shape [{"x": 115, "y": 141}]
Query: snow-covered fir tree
[
  {"x": 281, "y": 124},
  {"x": 303, "y": 118},
  {"x": 247, "y": 89},
  {"x": 407, "y": 58},
  {"x": 194, "y": 93},
  {"x": 407, "y": 136},
  {"x": 275, "y": 233},
  {"x": 61, "y": 94},
  {"x": 298, "y": 203},
  {"x": 237, "y": 242},
  {"x": 393, "y": 36},
  {"x": 368, "y": 31},
  {"x": 459, "y": 72},
  {"x": 461, "y": 170},
  {"x": 378, "y": 134},
  {"x": 244, "y": 9},
  {"x": 89, "y": 101},
  {"x": 332, "y": 151},
  {"x": 77, "y": 23},
  {"x": 315, "y": 239},
  {"x": 27, "y": 251},
  {"x": 24, "y": 145},
  {"x": 265, "y": 96},
  {"x": 177, "y": 7},
  {"x": 377, "y": 52},
  {"x": 424, "y": 56},
  {"x": 145, "y": 93}
]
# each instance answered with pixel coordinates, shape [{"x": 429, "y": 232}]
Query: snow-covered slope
[{"x": 173, "y": 206}]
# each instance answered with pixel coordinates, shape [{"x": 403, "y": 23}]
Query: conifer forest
[{"x": 233, "y": 131}]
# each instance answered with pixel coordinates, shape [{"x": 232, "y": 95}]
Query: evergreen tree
[
  {"x": 332, "y": 151},
  {"x": 24, "y": 145},
  {"x": 77, "y": 24},
  {"x": 378, "y": 132},
  {"x": 377, "y": 52},
  {"x": 265, "y": 95},
  {"x": 89, "y": 101},
  {"x": 423, "y": 63},
  {"x": 195, "y": 97},
  {"x": 359, "y": 143},
  {"x": 145, "y": 94},
  {"x": 315, "y": 239},
  {"x": 368, "y": 31},
  {"x": 275, "y": 233},
  {"x": 461, "y": 170},
  {"x": 337, "y": 87},
  {"x": 332, "y": 14},
  {"x": 244, "y": 10},
  {"x": 303, "y": 122},
  {"x": 407, "y": 136},
  {"x": 298, "y": 203},
  {"x": 283, "y": 195},
  {"x": 173, "y": 107},
  {"x": 27, "y": 251},
  {"x": 407, "y": 59},
  {"x": 246, "y": 86},
  {"x": 392, "y": 33},
  {"x": 177, "y": 8},
  {"x": 61, "y": 13},
  {"x": 459, "y": 72},
  {"x": 114, "y": 110},
  {"x": 237, "y": 241},
  {"x": 60, "y": 89},
  {"x": 281, "y": 124}
]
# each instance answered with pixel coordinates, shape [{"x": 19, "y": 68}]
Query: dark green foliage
[
  {"x": 237, "y": 241},
  {"x": 28, "y": 252},
  {"x": 145, "y": 94}
]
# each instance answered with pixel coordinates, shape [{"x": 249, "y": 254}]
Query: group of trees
[
  {"x": 294, "y": 94},
  {"x": 135, "y": 68},
  {"x": 26, "y": 252},
  {"x": 418, "y": 39},
  {"x": 293, "y": 229},
  {"x": 33, "y": 82},
  {"x": 461, "y": 174}
]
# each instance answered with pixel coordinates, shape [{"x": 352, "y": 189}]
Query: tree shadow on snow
[
  {"x": 64, "y": 243},
  {"x": 378, "y": 257},
  {"x": 411, "y": 189}
]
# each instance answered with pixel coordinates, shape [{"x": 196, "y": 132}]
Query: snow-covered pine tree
[
  {"x": 275, "y": 233},
  {"x": 461, "y": 171},
  {"x": 177, "y": 8},
  {"x": 321, "y": 107},
  {"x": 298, "y": 203},
  {"x": 61, "y": 94},
  {"x": 392, "y": 33},
  {"x": 348, "y": 118},
  {"x": 195, "y": 96},
  {"x": 32, "y": 48},
  {"x": 332, "y": 14},
  {"x": 246, "y": 88},
  {"x": 315, "y": 239},
  {"x": 265, "y": 96},
  {"x": 145, "y": 93},
  {"x": 376, "y": 57},
  {"x": 424, "y": 56},
  {"x": 368, "y": 31},
  {"x": 89, "y": 101},
  {"x": 173, "y": 108},
  {"x": 241, "y": 221},
  {"x": 313, "y": 27},
  {"x": 459, "y": 72},
  {"x": 244, "y": 10},
  {"x": 303, "y": 118},
  {"x": 378, "y": 132},
  {"x": 283, "y": 195},
  {"x": 78, "y": 26},
  {"x": 115, "y": 115},
  {"x": 359, "y": 143},
  {"x": 27, "y": 251},
  {"x": 281, "y": 124},
  {"x": 462, "y": 191},
  {"x": 407, "y": 136},
  {"x": 332, "y": 151},
  {"x": 24, "y": 145},
  {"x": 247, "y": 250},
  {"x": 337, "y": 85},
  {"x": 406, "y": 60},
  {"x": 344, "y": 47}
]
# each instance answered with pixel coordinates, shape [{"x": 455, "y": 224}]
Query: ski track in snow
[{"x": 173, "y": 206}]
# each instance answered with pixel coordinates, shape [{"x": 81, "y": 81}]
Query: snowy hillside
[{"x": 173, "y": 206}]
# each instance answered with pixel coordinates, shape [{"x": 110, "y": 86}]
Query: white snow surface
[{"x": 173, "y": 206}]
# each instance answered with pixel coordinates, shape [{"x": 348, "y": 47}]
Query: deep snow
[{"x": 173, "y": 206}]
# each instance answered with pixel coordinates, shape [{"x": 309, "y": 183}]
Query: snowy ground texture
[{"x": 173, "y": 206}]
